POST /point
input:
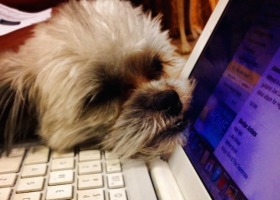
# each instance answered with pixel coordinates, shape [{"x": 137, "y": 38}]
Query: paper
[{"x": 12, "y": 19}]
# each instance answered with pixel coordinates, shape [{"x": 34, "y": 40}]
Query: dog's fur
[{"x": 98, "y": 72}]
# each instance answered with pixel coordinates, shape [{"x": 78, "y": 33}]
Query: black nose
[{"x": 168, "y": 101}]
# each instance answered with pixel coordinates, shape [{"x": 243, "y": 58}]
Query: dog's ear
[{"x": 17, "y": 116}]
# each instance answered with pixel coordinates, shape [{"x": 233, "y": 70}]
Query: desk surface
[
  {"x": 16, "y": 38},
  {"x": 12, "y": 40}
]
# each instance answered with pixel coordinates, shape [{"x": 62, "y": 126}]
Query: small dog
[{"x": 97, "y": 73}]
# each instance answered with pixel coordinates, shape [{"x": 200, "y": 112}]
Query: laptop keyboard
[{"x": 37, "y": 173}]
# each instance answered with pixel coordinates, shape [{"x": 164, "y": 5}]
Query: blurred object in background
[
  {"x": 185, "y": 19},
  {"x": 188, "y": 15}
]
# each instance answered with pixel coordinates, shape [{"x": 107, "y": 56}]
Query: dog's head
[{"x": 102, "y": 72}]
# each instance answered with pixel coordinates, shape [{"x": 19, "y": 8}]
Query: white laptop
[
  {"x": 234, "y": 140},
  {"x": 233, "y": 148}
]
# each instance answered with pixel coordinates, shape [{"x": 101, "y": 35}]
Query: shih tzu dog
[{"x": 98, "y": 72}]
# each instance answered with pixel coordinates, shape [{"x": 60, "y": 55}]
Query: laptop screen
[{"x": 235, "y": 114}]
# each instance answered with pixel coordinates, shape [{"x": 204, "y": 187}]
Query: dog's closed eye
[
  {"x": 110, "y": 86},
  {"x": 109, "y": 90},
  {"x": 156, "y": 69}
]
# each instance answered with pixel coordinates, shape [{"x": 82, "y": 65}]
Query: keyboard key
[
  {"x": 117, "y": 194},
  {"x": 30, "y": 185},
  {"x": 59, "y": 192},
  {"x": 5, "y": 193},
  {"x": 34, "y": 170},
  {"x": 57, "y": 155},
  {"x": 7, "y": 180},
  {"x": 96, "y": 194},
  {"x": 90, "y": 181},
  {"x": 28, "y": 196},
  {"x": 61, "y": 177},
  {"x": 84, "y": 148},
  {"x": 37, "y": 155},
  {"x": 16, "y": 152},
  {"x": 88, "y": 155},
  {"x": 113, "y": 166},
  {"x": 90, "y": 167},
  {"x": 115, "y": 180},
  {"x": 62, "y": 164},
  {"x": 110, "y": 156},
  {"x": 14, "y": 164}
]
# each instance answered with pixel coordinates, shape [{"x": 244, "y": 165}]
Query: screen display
[{"x": 235, "y": 114}]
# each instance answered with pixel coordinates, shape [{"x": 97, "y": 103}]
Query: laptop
[
  {"x": 233, "y": 144},
  {"x": 232, "y": 152}
]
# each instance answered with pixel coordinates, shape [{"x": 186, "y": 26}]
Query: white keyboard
[{"x": 36, "y": 173}]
